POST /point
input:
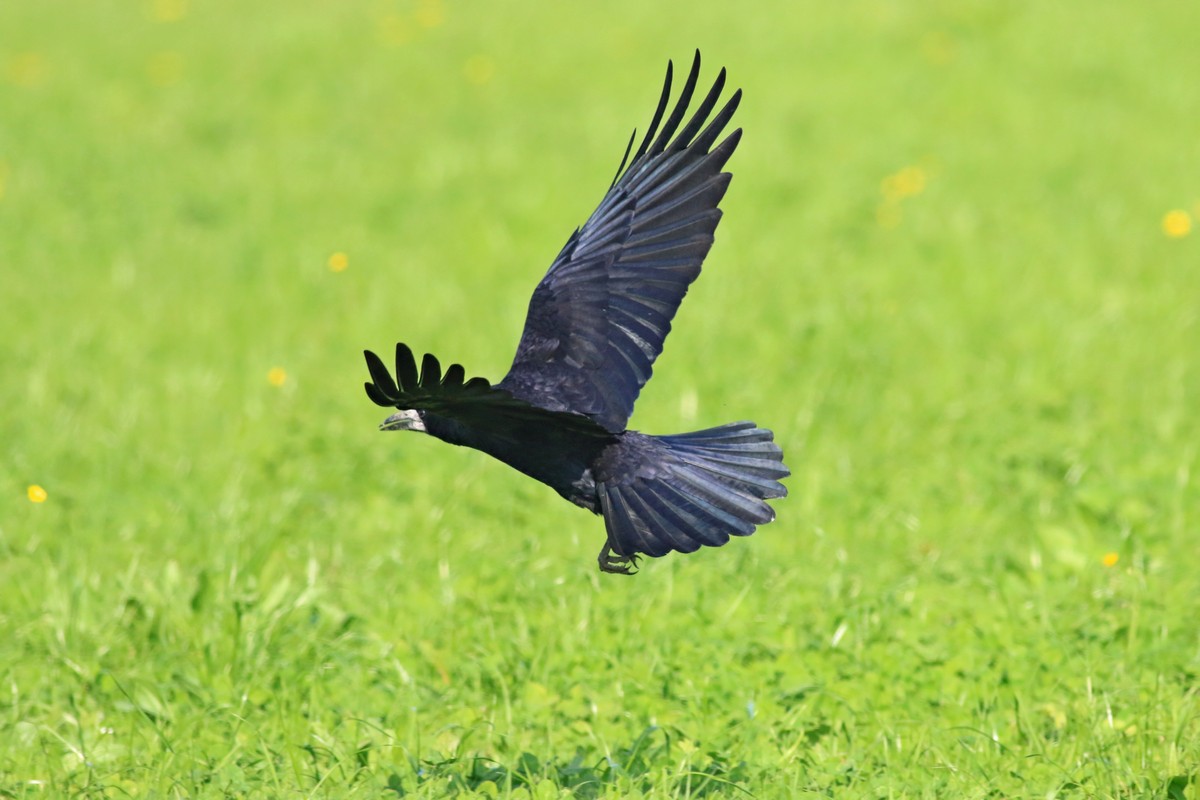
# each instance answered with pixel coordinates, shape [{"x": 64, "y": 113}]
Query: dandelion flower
[
  {"x": 338, "y": 262},
  {"x": 394, "y": 29},
  {"x": 907, "y": 182},
  {"x": 165, "y": 68},
  {"x": 168, "y": 10},
  {"x": 1177, "y": 223},
  {"x": 1111, "y": 559},
  {"x": 479, "y": 69},
  {"x": 26, "y": 69},
  {"x": 938, "y": 48},
  {"x": 429, "y": 14},
  {"x": 277, "y": 376},
  {"x": 36, "y": 494}
]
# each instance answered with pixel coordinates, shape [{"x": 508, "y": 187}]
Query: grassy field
[{"x": 957, "y": 275}]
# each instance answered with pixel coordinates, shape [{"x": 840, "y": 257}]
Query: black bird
[{"x": 596, "y": 322}]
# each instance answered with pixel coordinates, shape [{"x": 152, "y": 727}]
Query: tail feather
[
  {"x": 746, "y": 473},
  {"x": 711, "y": 517},
  {"x": 728, "y": 496},
  {"x": 693, "y": 521},
  {"x": 671, "y": 526},
  {"x": 684, "y": 491},
  {"x": 734, "y": 434},
  {"x": 620, "y": 521}
]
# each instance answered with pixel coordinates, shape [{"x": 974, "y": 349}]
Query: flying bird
[{"x": 595, "y": 325}]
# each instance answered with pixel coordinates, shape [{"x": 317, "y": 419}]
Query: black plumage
[{"x": 595, "y": 325}]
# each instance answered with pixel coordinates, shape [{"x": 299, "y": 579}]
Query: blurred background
[{"x": 957, "y": 275}]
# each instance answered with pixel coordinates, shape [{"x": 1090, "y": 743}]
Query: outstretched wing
[
  {"x": 463, "y": 407},
  {"x": 598, "y": 319}
]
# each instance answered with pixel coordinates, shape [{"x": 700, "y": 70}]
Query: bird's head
[{"x": 408, "y": 419}]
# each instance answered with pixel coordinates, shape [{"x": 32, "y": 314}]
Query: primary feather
[{"x": 599, "y": 317}]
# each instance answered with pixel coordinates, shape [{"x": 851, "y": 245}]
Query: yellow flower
[
  {"x": 905, "y": 183},
  {"x": 165, "y": 68},
  {"x": 1177, "y": 223},
  {"x": 394, "y": 29},
  {"x": 938, "y": 48},
  {"x": 26, "y": 69},
  {"x": 338, "y": 262},
  {"x": 479, "y": 69},
  {"x": 276, "y": 376},
  {"x": 36, "y": 494},
  {"x": 429, "y": 13},
  {"x": 1111, "y": 559},
  {"x": 168, "y": 10}
]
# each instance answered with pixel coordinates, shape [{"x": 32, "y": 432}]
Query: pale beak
[{"x": 406, "y": 420}]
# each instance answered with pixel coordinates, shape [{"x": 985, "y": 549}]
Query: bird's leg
[{"x": 616, "y": 563}]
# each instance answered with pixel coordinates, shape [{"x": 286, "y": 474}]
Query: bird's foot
[{"x": 615, "y": 563}]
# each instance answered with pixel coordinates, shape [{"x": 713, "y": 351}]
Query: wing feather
[
  {"x": 406, "y": 368},
  {"x": 598, "y": 319},
  {"x": 383, "y": 384}
]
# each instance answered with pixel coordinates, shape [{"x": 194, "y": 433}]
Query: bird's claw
[{"x": 617, "y": 564}]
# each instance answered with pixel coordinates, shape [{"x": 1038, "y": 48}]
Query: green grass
[{"x": 983, "y": 388}]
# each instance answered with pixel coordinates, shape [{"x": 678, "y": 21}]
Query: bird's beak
[
  {"x": 406, "y": 420},
  {"x": 396, "y": 422}
]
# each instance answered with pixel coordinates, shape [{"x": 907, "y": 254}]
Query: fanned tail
[{"x": 693, "y": 489}]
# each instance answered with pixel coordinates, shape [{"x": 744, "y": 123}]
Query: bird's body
[
  {"x": 595, "y": 325},
  {"x": 562, "y": 458}
]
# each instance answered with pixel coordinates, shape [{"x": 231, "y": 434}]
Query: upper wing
[
  {"x": 466, "y": 409},
  {"x": 598, "y": 319}
]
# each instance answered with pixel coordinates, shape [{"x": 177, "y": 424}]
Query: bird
[{"x": 596, "y": 323}]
